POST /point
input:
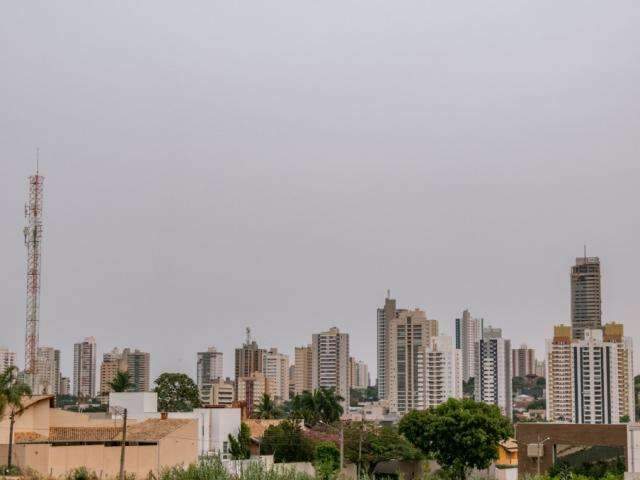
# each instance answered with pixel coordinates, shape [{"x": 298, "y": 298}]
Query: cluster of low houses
[{"x": 52, "y": 441}]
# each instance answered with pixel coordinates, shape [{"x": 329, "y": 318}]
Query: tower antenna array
[{"x": 33, "y": 242}]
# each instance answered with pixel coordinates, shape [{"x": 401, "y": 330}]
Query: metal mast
[{"x": 33, "y": 242}]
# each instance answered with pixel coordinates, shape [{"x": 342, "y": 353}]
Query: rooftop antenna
[
  {"x": 585, "y": 251},
  {"x": 37, "y": 160},
  {"x": 388, "y": 293},
  {"x": 248, "y": 330}
]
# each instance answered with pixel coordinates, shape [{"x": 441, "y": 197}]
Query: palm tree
[
  {"x": 267, "y": 408},
  {"x": 121, "y": 382},
  {"x": 321, "y": 405},
  {"x": 11, "y": 393}
]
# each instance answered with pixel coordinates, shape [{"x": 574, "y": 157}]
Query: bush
[
  {"x": 12, "y": 471},
  {"x": 81, "y": 473}
]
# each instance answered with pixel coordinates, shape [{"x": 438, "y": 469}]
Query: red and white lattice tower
[{"x": 33, "y": 242}]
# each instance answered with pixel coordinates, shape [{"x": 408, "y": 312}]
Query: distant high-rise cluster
[{"x": 135, "y": 363}]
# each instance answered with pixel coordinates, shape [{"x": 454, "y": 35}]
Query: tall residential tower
[{"x": 586, "y": 296}]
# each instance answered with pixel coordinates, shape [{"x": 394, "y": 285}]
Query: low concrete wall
[{"x": 299, "y": 467}]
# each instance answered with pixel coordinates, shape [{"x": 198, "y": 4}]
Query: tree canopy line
[{"x": 460, "y": 435}]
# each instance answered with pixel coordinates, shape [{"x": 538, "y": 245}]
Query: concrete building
[
  {"x": 112, "y": 363},
  {"x": 559, "y": 376},
  {"x": 249, "y": 359},
  {"x": 590, "y": 380},
  {"x": 540, "y": 368},
  {"x": 491, "y": 332},
  {"x": 523, "y": 361},
  {"x": 84, "y": 368},
  {"x": 442, "y": 371},
  {"x": 139, "y": 368},
  {"x": 7, "y": 359},
  {"x": 586, "y": 296},
  {"x": 209, "y": 367},
  {"x": 65, "y": 386},
  {"x": 47, "y": 378},
  {"x": 276, "y": 370},
  {"x": 330, "y": 362},
  {"x": 359, "y": 374},
  {"x": 219, "y": 392},
  {"x": 250, "y": 389},
  {"x": 408, "y": 332},
  {"x": 303, "y": 369},
  {"x": 493, "y": 374},
  {"x": 384, "y": 316},
  {"x": 136, "y": 363},
  {"x": 468, "y": 334}
]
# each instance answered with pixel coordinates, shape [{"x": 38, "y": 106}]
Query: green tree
[
  {"x": 267, "y": 408},
  {"x": 367, "y": 444},
  {"x": 468, "y": 387},
  {"x": 322, "y": 405},
  {"x": 460, "y": 434},
  {"x": 517, "y": 384},
  {"x": 11, "y": 393},
  {"x": 122, "y": 382},
  {"x": 358, "y": 395},
  {"x": 239, "y": 446},
  {"x": 327, "y": 459},
  {"x": 176, "y": 393},
  {"x": 286, "y": 443}
]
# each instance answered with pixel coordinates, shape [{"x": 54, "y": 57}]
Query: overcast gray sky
[{"x": 279, "y": 164}]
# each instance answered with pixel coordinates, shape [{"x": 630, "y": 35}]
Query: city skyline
[{"x": 218, "y": 162}]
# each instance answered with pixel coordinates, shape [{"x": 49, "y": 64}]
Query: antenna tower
[{"x": 33, "y": 242}]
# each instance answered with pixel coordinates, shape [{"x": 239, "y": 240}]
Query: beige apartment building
[
  {"x": 250, "y": 389},
  {"x": 330, "y": 362},
  {"x": 523, "y": 361},
  {"x": 47, "y": 378},
  {"x": 590, "y": 380},
  {"x": 303, "y": 369},
  {"x": 219, "y": 392},
  {"x": 559, "y": 375},
  {"x": 359, "y": 374},
  {"x": 135, "y": 362},
  {"x": 276, "y": 369},
  {"x": 408, "y": 333}
]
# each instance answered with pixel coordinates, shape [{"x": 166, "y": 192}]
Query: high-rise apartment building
[
  {"x": 249, "y": 358},
  {"x": 251, "y": 389},
  {"x": 209, "y": 367},
  {"x": 493, "y": 373},
  {"x": 136, "y": 363},
  {"x": 468, "y": 334},
  {"x": 276, "y": 369},
  {"x": 523, "y": 361},
  {"x": 408, "y": 332},
  {"x": 442, "y": 371},
  {"x": 7, "y": 359},
  {"x": 219, "y": 392},
  {"x": 65, "y": 386},
  {"x": 359, "y": 373},
  {"x": 330, "y": 362},
  {"x": 491, "y": 332},
  {"x": 84, "y": 368},
  {"x": 383, "y": 318},
  {"x": 139, "y": 368},
  {"x": 559, "y": 376},
  {"x": 590, "y": 380},
  {"x": 303, "y": 370},
  {"x": 540, "y": 368},
  {"x": 586, "y": 297},
  {"x": 47, "y": 375}
]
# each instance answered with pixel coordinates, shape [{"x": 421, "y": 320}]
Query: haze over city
[{"x": 213, "y": 168}]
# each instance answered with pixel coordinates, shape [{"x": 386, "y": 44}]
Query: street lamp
[{"x": 540, "y": 445}]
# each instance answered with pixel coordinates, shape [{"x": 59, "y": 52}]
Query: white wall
[{"x": 136, "y": 403}]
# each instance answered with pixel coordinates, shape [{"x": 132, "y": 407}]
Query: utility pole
[{"x": 124, "y": 442}]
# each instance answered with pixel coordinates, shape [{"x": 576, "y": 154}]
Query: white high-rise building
[
  {"x": 442, "y": 371},
  {"x": 7, "y": 359},
  {"x": 276, "y": 369},
  {"x": 594, "y": 382},
  {"x": 408, "y": 333},
  {"x": 47, "y": 379},
  {"x": 330, "y": 362},
  {"x": 84, "y": 368},
  {"x": 209, "y": 367},
  {"x": 468, "y": 334},
  {"x": 493, "y": 373},
  {"x": 359, "y": 373}
]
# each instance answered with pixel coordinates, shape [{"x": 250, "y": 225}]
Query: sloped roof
[
  {"x": 258, "y": 426},
  {"x": 509, "y": 444},
  {"x": 30, "y": 400},
  {"x": 148, "y": 431},
  {"x": 153, "y": 429}
]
